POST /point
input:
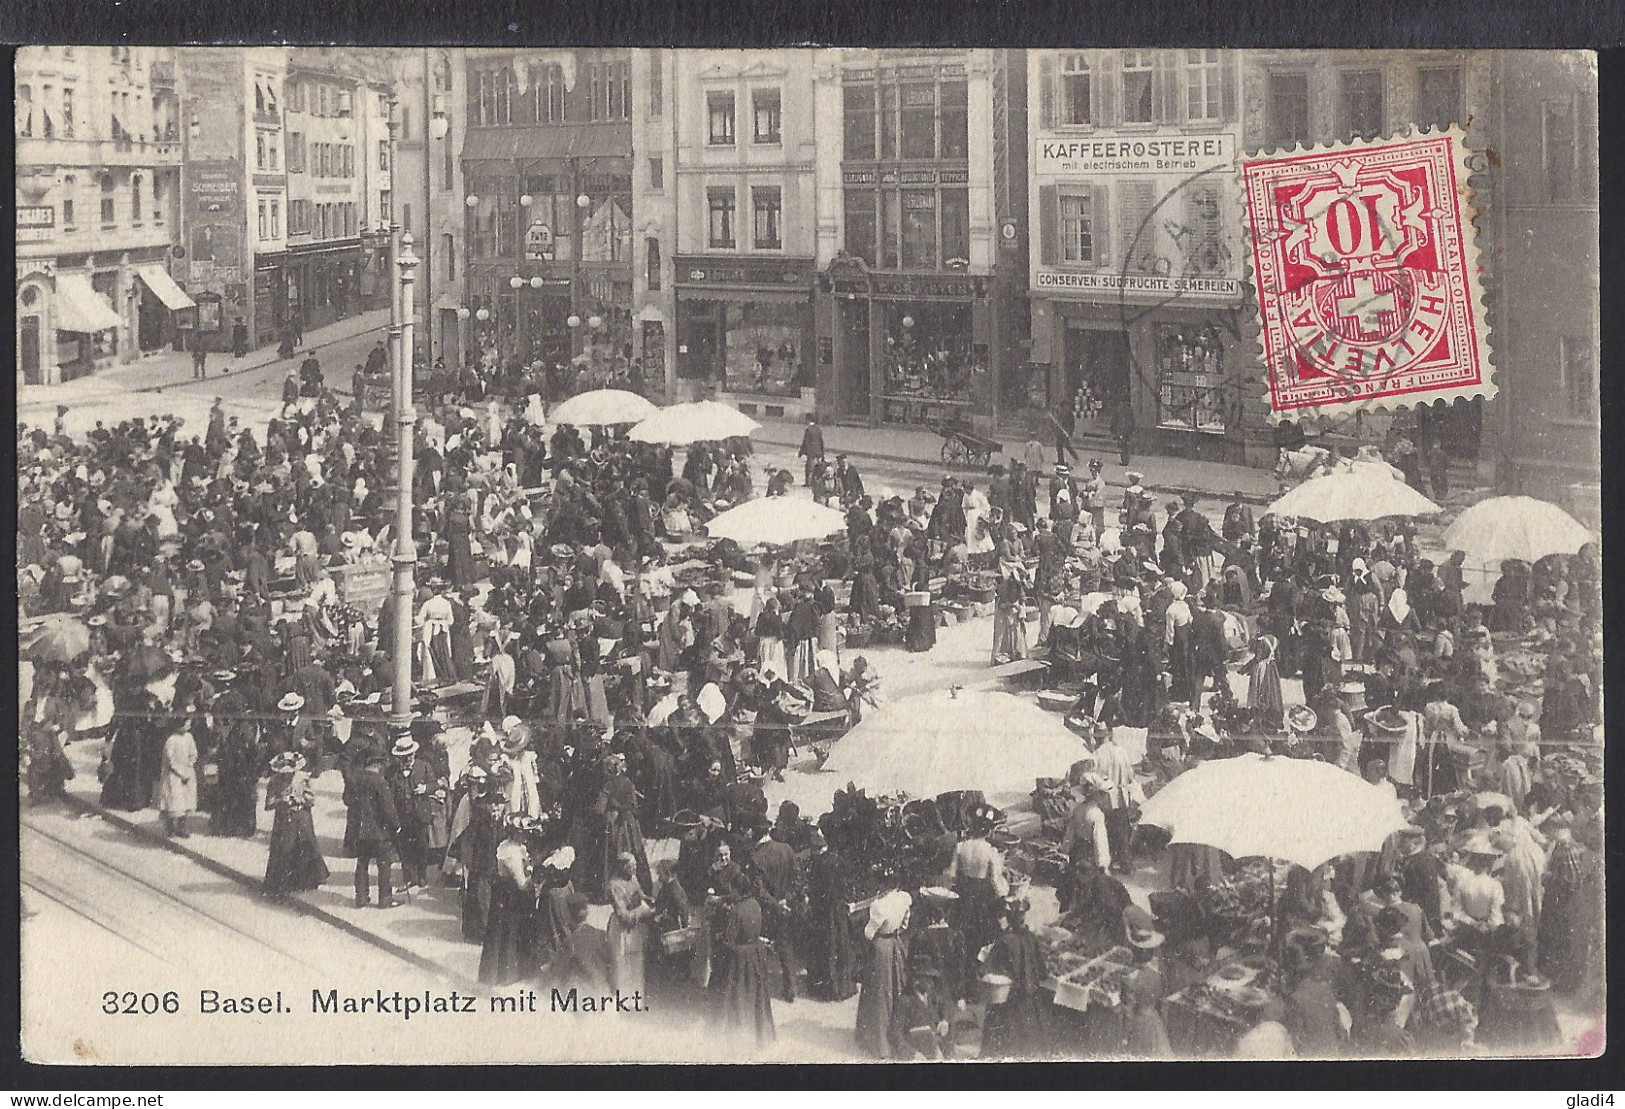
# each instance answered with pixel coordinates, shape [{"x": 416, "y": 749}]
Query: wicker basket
[
  {"x": 680, "y": 940},
  {"x": 994, "y": 989},
  {"x": 1055, "y": 701}
]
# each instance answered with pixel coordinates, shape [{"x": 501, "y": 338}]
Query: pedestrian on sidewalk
[
  {"x": 177, "y": 788},
  {"x": 1122, "y": 429},
  {"x": 377, "y": 825},
  {"x": 239, "y": 338},
  {"x": 295, "y": 859},
  {"x": 1063, "y": 441},
  {"x": 812, "y": 448},
  {"x": 200, "y": 357}
]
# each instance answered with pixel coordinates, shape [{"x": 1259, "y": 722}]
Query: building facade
[
  {"x": 654, "y": 349},
  {"x": 99, "y": 151},
  {"x": 1136, "y": 279},
  {"x": 919, "y": 305},
  {"x": 1291, "y": 97},
  {"x": 425, "y": 183},
  {"x": 547, "y": 162},
  {"x": 743, "y": 230},
  {"x": 1546, "y": 422}
]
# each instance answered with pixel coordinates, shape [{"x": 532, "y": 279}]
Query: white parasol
[
  {"x": 1500, "y": 528},
  {"x": 953, "y": 739},
  {"x": 777, "y": 521},
  {"x": 1284, "y": 808},
  {"x": 603, "y": 407},
  {"x": 1361, "y": 493},
  {"x": 697, "y": 422}
]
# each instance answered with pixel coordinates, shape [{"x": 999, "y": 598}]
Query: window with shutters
[
  {"x": 1077, "y": 227},
  {"x": 1438, "y": 96},
  {"x": 1204, "y": 85},
  {"x": 1137, "y": 230},
  {"x": 383, "y": 155},
  {"x": 296, "y": 152},
  {"x": 1076, "y": 105},
  {"x": 1139, "y": 83},
  {"x": 1361, "y": 96},
  {"x": 1288, "y": 108},
  {"x": 1204, "y": 250},
  {"x": 719, "y": 111},
  {"x": 720, "y": 223}
]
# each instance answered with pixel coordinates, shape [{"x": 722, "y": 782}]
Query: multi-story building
[
  {"x": 920, "y": 309},
  {"x": 742, "y": 231},
  {"x": 1545, "y": 423},
  {"x": 338, "y": 190},
  {"x": 547, "y": 162},
  {"x": 99, "y": 148},
  {"x": 426, "y": 189},
  {"x": 654, "y": 72},
  {"x": 236, "y": 190},
  {"x": 1136, "y": 281}
]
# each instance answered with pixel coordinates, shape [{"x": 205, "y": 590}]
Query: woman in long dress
[
  {"x": 1019, "y": 1027},
  {"x": 831, "y": 968},
  {"x": 885, "y": 972},
  {"x": 630, "y": 913},
  {"x": 978, "y": 538},
  {"x": 1264, "y": 696},
  {"x": 743, "y": 978},
  {"x": 506, "y": 956},
  {"x": 162, "y": 504},
  {"x": 295, "y": 861},
  {"x": 770, "y": 656}
]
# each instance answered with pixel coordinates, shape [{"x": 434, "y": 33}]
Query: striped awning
[
  {"x": 164, "y": 288},
  {"x": 80, "y": 308}
]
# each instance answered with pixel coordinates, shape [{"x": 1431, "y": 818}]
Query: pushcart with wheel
[{"x": 963, "y": 447}]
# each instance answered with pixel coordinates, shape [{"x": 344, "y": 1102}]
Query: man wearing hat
[
  {"x": 419, "y": 795},
  {"x": 377, "y": 823}
]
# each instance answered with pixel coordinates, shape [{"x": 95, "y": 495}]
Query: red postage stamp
[{"x": 1367, "y": 275}]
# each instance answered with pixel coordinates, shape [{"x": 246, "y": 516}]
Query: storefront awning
[
  {"x": 80, "y": 308},
  {"x": 164, "y": 288}
]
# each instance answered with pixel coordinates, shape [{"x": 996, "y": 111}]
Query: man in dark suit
[
  {"x": 419, "y": 797},
  {"x": 377, "y": 823},
  {"x": 921, "y": 1016},
  {"x": 812, "y": 448},
  {"x": 778, "y": 877}
]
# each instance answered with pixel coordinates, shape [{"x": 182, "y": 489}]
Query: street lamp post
[
  {"x": 394, "y": 124},
  {"x": 405, "y": 556}
]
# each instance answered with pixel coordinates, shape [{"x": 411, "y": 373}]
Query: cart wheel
[{"x": 954, "y": 453}]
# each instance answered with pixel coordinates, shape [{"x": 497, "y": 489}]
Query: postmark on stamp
[{"x": 1366, "y": 269}]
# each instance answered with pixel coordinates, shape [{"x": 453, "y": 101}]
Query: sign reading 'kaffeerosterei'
[{"x": 1187, "y": 153}]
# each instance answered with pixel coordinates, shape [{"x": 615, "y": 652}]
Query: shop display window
[{"x": 1190, "y": 378}]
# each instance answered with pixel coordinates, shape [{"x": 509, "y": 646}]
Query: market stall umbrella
[
  {"x": 59, "y": 639},
  {"x": 697, "y": 422},
  {"x": 1501, "y": 528},
  {"x": 777, "y": 521},
  {"x": 604, "y": 407},
  {"x": 956, "y": 739},
  {"x": 1276, "y": 807},
  {"x": 1361, "y": 493}
]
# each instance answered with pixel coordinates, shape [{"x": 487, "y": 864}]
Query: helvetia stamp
[{"x": 1366, "y": 269}]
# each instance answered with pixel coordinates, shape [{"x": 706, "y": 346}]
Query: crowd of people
[{"x": 603, "y": 694}]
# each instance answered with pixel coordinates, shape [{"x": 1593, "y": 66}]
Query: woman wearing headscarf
[
  {"x": 560, "y": 913},
  {"x": 295, "y": 860},
  {"x": 884, "y": 971},
  {"x": 1018, "y": 1027},
  {"x": 742, "y": 978},
  {"x": 630, "y": 913}
]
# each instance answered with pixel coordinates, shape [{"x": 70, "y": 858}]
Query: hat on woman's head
[{"x": 287, "y": 762}]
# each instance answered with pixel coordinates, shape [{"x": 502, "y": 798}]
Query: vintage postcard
[{"x": 545, "y": 555}]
